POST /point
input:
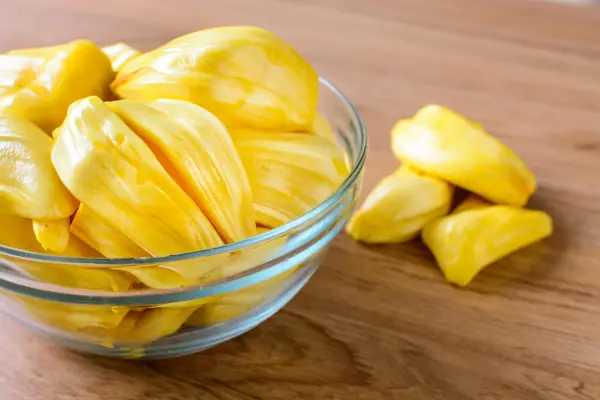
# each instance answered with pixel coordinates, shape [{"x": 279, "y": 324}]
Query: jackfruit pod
[
  {"x": 17, "y": 232},
  {"x": 96, "y": 321},
  {"x": 146, "y": 326},
  {"x": 119, "y": 54},
  {"x": 442, "y": 143},
  {"x": 29, "y": 186},
  {"x": 197, "y": 151},
  {"x": 228, "y": 306},
  {"x": 191, "y": 272},
  {"x": 476, "y": 235},
  {"x": 52, "y": 234},
  {"x": 289, "y": 173},
  {"x": 113, "y": 172},
  {"x": 400, "y": 206},
  {"x": 99, "y": 234},
  {"x": 246, "y": 76},
  {"x": 39, "y": 84}
]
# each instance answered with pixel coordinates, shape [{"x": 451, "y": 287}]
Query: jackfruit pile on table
[{"x": 215, "y": 138}]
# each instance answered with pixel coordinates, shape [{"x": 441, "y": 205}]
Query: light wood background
[{"x": 380, "y": 322}]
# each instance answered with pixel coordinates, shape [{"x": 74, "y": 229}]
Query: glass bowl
[{"x": 249, "y": 280}]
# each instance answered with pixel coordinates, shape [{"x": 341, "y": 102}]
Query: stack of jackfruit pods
[
  {"x": 440, "y": 150},
  {"x": 210, "y": 139}
]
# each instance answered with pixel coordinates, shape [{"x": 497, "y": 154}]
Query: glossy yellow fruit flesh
[
  {"x": 39, "y": 84},
  {"x": 17, "y": 232},
  {"x": 110, "y": 242},
  {"x": 29, "y": 185},
  {"x": 477, "y": 235},
  {"x": 52, "y": 234},
  {"x": 114, "y": 173},
  {"x": 119, "y": 54},
  {"x": 445, "y": 144},
  {"x": 289, "y": 173},
  {"x": 246, "y": 76},
  {"x": 197, "y": 151},
  {"x": 159, "y": 176},
  {"x": 399, "y": 206},
  {"x": 100, "y": 321},
  {"x": 228, "y": 306},
  {"x": 145, "y": 326},
  {"x": 101, "y": 236}
]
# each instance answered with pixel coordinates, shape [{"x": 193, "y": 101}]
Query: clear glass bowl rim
[{"x": 54, "y": 292}]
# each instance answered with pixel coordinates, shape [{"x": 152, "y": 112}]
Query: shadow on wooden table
[{"x": 287, "y": 349}]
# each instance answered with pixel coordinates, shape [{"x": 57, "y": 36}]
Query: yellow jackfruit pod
[
  {"x": 400, "y": 206},
  {"x": 146, "y": 326},
  {"x": 478, "y": 234},
  {"x": 29, "y": 185},
  {"x": 442, "y": 143},
  {"x": 99, "y": 321},
  {"x": 289, "y": 173},
  {"x": 39, "y": 84},
  {"x": 197, "y": 151},
  {"x": 113, "y": 172},
  {"x": 99, "y": 234},
  {"x": 17, "y": 232},
  {"x": 119, "y": 54},
  {"x": 180, "y": 274},
  {"x": 186, "y": 273},
  {"x": 471, "y": 202},
  {"x": 251, "y": 257},
  {"x": 246, "y": 76},
  {"x": 228, "y": 306},
  {"x": 52, "y": 234}
]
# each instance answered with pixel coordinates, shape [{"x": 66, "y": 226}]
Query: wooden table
[{"x": 380, "y": 322}]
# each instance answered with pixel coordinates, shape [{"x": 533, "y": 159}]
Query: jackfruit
[
  {"x": 197, "y": 151},
  {"x": 444, "y": 144},
  {"x": 119, "y": 54},
  {"x": 289, "y": 173},
  {"x": 246, "y": 76},
  {"x": 145, "y": 326},
  {"x": 399, "y": 206},
  {"x": 110, "y": 242},
  {"x": 99, "y": 321},
  {"x": 39, "y": 84},
  {"x": 52, "y": 234},
  {"x": 17, "y": 232},
  {"x": 29, "y": 185},
  {"x": 478, "y": 234},
  {"x": 231, "y": 305},
  {"x": 114, "y": 173},
  {"x": 101, "y": 236}
]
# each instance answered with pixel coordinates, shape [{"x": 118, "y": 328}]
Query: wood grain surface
[{"x": 380, "y": 322}]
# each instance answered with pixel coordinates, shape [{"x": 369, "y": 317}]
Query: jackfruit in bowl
[
  {"x": 213, "y": 138},
  {"x": 247, "y": 76}
]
